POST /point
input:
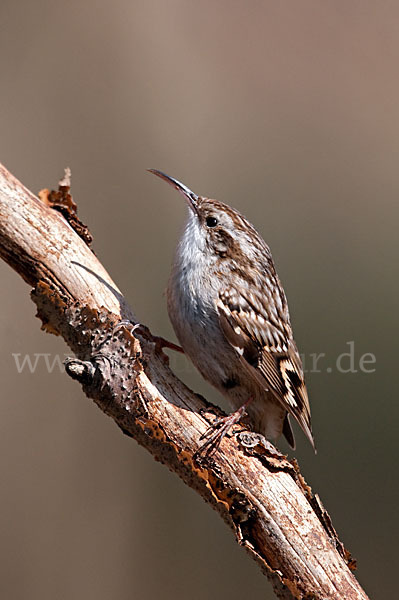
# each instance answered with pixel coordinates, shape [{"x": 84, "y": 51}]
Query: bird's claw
[
  {"x": 218, "y": 430},
  {"x": 159, "y": 342}
]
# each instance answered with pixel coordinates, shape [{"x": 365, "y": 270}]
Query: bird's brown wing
[{"x": 258, "y": 327}]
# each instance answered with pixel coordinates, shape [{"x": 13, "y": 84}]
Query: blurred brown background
[{"x": 290, "y": 113}]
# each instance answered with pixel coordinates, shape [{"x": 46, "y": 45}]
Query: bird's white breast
[{"x": 191, "y": 295}]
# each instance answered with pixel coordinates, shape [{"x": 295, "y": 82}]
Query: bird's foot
[
  {"x": 126, "y": 324},
  {"x": 160, "y": 342},
  {"x": 217, "y": 431}
]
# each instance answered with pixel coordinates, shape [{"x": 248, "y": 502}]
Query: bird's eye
[{"x": 211, "y": 222}]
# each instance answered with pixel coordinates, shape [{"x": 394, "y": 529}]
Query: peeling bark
[{"x": 260, "y": 494}]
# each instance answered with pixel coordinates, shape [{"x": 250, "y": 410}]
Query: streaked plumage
[{"x": 230, "y": 314}]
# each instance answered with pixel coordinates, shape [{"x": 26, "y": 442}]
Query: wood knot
[{"x": 81, "y": 370}]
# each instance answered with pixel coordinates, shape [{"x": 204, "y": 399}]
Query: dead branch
[{"x": 257, "y": 491}]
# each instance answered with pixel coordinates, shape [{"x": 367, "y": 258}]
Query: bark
[{"x": 260, "y": 494}]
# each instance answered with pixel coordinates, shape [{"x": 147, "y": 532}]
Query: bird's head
[{"x": 216, "y": 228}]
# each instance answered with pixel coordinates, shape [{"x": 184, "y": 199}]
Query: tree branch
[{"x": 257, "y": 491}]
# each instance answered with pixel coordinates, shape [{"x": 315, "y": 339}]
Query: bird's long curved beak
[{"x": 191, "y": 198}]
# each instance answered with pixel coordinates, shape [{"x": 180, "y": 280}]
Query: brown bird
[{"x": 230, "y": 314}]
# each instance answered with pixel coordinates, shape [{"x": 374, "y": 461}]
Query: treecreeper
[{"x": 230, "y": 315}]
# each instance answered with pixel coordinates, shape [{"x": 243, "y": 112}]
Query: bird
[{"x": 230, "y": 315}]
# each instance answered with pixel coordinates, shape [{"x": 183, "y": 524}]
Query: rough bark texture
[{"x": 257, "y": 491}]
